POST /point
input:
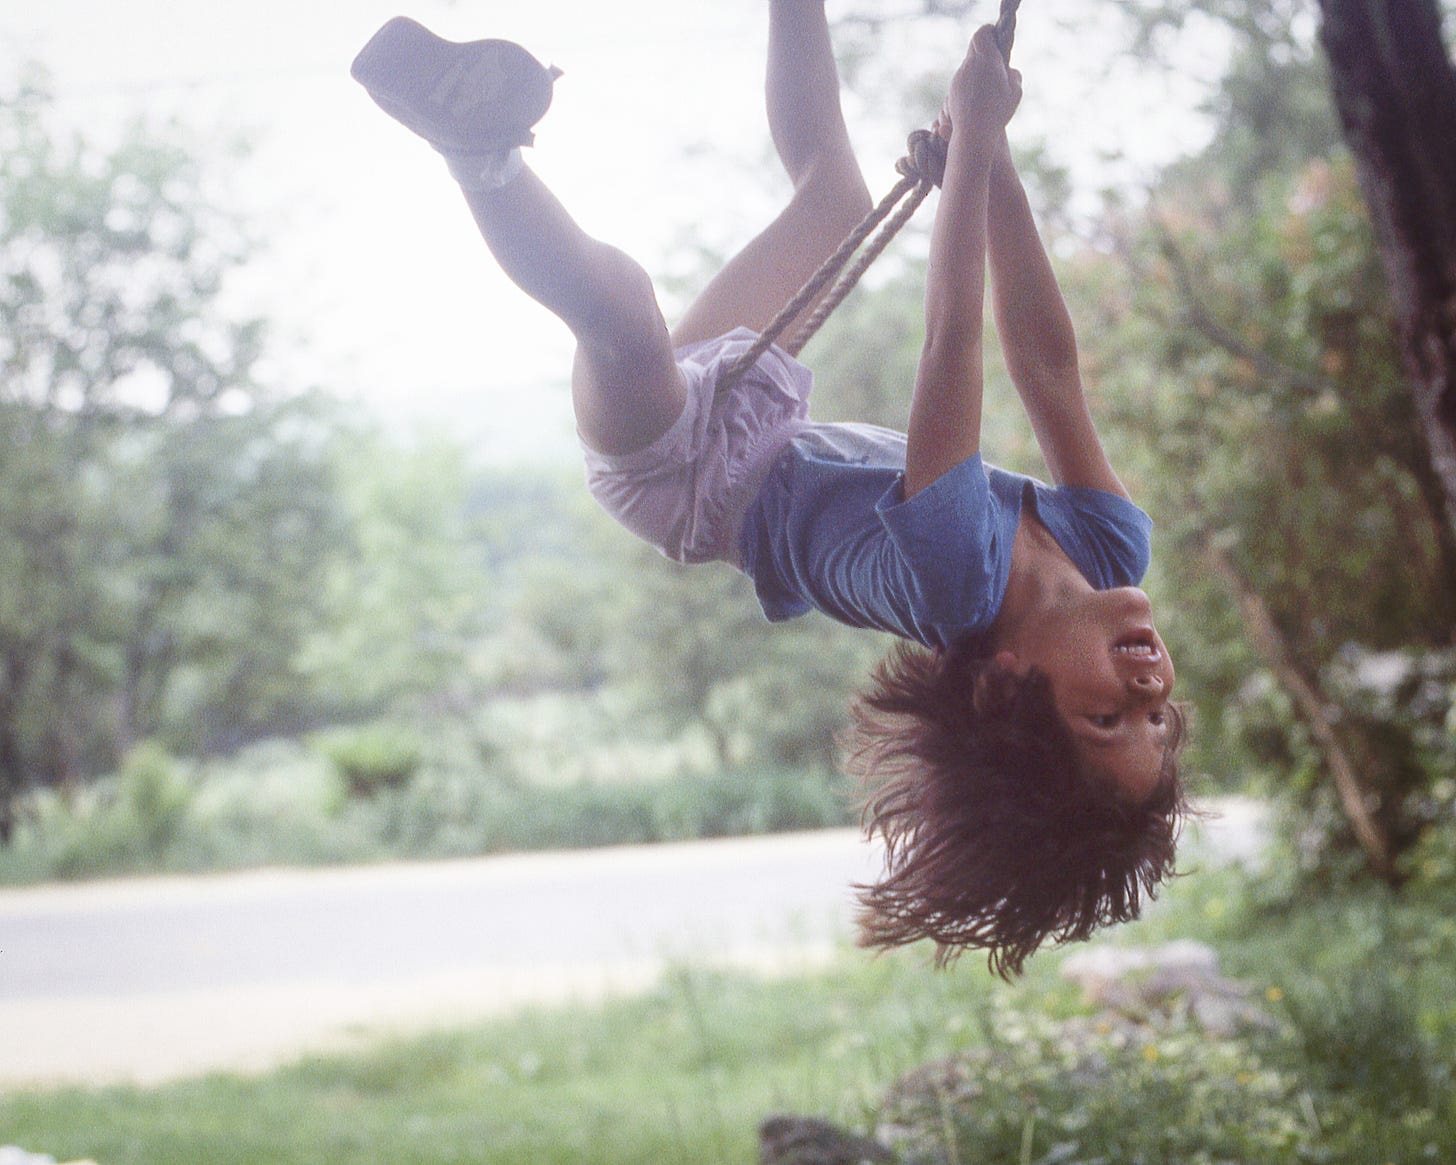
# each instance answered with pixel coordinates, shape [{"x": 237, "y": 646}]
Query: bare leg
[
  {"x": 474, "y": 102},
  {"x": 626, "y": 389},
  {"x": 830, "y": 196},
  {"x": 625, "y": 385}
]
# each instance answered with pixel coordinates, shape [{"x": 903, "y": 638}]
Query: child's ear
[{"x": 1003, "y": 663}]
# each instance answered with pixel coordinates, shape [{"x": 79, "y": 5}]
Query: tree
[
  {"x": 409, "y": 594},
  {"x": 1395, "y": 90},
  {"x": 224, "y": 528},
  {"x": 161, "y": 519}
]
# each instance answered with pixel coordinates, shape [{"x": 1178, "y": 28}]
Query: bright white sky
[{"x": 376, "y": 282}]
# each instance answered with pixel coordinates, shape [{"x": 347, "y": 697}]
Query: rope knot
[{"x": 924, "y": 160}]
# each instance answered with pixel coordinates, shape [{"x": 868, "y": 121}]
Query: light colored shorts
[{"x": 688, "y": 491}]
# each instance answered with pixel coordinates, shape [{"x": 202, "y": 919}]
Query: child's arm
[
  {"x": 1037, "y": 337},
  {"x": 945, "y": 412}
]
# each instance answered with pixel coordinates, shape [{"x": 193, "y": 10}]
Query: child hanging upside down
[{"x": 1019, "y": 744}]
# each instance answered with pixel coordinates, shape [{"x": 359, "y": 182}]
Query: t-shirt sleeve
[
  {"x": 948, "y": 540},
  {"x": 1108, "y": 536}
]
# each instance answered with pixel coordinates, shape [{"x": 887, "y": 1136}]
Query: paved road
[
  {"x": 152, "y": 979},
  {"x": 156, "y": 978}
]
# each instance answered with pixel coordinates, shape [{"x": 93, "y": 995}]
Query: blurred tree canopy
[
  {"x": 184, "y": 556},
  {"x": 160, "y": 516}
]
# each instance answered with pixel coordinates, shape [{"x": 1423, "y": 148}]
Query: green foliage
[
  {"x": 387, "y": 792},
  {"x": 1271, "y": 108},
  {"x": 1363, "y": 1036},
  {"x": 1431, "y": 862},
  {"x": 405, "y": 598},
  {"x": 1045, "y": 1091},
  {"x": 691, "y": 649},
  {"x": 1354, "y": 1077},
  {"x": 721, "y": 804},
  {"x": 155, "y": 795},
  {"x": 130, "y": 823},
  {"x": 232, "y": 524},
  {"x": 161, "y": 520},
  {"x": 372, "y": 759},
  {"x": 440, "y": 815}
]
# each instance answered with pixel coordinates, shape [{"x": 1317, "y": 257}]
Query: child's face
[{"x": 1111, "y": 679}]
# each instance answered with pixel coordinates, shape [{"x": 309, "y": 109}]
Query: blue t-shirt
[{"x": 831, "y": 530}]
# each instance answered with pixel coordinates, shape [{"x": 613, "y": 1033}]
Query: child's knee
[{"x": 623, "y": 307}]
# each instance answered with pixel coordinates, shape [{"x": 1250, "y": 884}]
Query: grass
[
  {"x": 682, "y": 1074},
  {"x": 1358, "y": 1069}
]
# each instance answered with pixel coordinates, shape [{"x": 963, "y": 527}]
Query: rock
[
  {"x": 1151, "y": 982},
  {"x": 14, "y": 1155},
  {"x": 805, "y": 1140},
  {"x": 1104, "y": 972}
]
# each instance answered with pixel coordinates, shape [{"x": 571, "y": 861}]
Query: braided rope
[
  {"x": 922, "y": 167},
  {"x": 1006, "y": 27},
  {"x": 817, "y": 282}
]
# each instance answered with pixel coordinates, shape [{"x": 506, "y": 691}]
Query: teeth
[{"x": 1136, "y": 649}]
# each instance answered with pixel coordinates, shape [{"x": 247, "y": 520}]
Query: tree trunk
[
  {"x": 12, "y": 771},
  {"x": 1319, "y": 714},
  {"x": 1395, "y": 91}
]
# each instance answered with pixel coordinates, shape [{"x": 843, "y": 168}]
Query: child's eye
[
  {"x": 1157, "y": 719},
  {"x": 1111, "y": 720}
]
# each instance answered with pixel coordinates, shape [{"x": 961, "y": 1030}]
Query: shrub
[
  {"x": 1089, "y": 1090},
  {"x": 155, "y": 795},
  {"x": 369, "y": 794},
  {"x": 381, "y": 756},
  {"x": 1362, "y": 1035},
  {"x": 750, "y": 801}
]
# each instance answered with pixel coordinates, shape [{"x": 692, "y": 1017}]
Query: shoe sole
[{"x": 471, "y": 97}]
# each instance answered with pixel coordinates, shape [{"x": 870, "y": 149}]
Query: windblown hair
[{"x": 996, "y": 835}]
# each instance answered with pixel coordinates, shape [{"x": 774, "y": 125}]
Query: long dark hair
[{"x": 996, "y": 836}]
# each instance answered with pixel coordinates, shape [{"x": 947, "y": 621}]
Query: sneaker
[{"x": 464, "y": 99}]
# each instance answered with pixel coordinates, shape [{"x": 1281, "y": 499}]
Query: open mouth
[{"x": 1139, "y": 645}]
